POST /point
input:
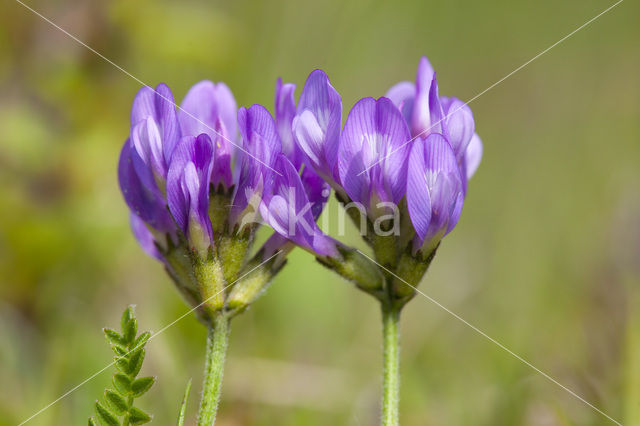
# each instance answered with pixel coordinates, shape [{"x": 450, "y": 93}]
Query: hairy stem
[
  {"x": 217, "y": 343},
  {"x": 391, "y": 365}
]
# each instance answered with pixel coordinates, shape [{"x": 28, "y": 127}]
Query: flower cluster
[{"x": 200, "y": 178}]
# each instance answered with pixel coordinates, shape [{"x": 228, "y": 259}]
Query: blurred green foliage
[{"x": 545, "y": 258}]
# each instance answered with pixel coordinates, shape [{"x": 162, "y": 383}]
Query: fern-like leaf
[{"x": 129, "y": 351}]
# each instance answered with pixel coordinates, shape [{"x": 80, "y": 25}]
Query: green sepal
[
  {"x": 409, "y": 272},
  {"x": 92, "y": 422},
  {"x": 122, "y": 364},
  {"x": 135, "y": 362},
  {"x": 138, "y": 417},
  {"x": 127, "y": 316},
  {"x": 183, "y": 406},
  {"x": 116, "y": 402},
  {"x": 122, "y": 383},
  {"x": 105, "y": 415},
  {"x": 114, "y": 337},
  {"x": 119, "y": 350},
  {"x": 130, "y": 331},
  {"x": 355, "y": 267},
  {"x": 232, "y": 251},
  {"x": 142, "y": 385},
  {"x": 142, "y": 340}
]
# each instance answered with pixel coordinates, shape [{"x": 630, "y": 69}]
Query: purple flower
[
  {"x": 144, "y": 164},
  {"x": 372, "y": 157},
  {"x": 144, "y": 236},
  {"x": 154, "y": 135},
  {"x": 289, "y": 211},
  {"x": 316, "y": 126},
  {"x": 434, "y": 190},
  {"x": 188, "y": 190},
  {"x": 143, "y": 201},
  {"x": 211, "y": 108},
  {"x": 419, "y": 103},
  {"x": 466, "y": 144},
  {"x": 262, "y": 146},
  {"x": 427, "y": 113},
  {"x": 285, "y": 111},
  {"x": 288, "y": 201}
]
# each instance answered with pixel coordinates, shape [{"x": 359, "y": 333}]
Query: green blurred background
[{"x": 546, "y": 258}]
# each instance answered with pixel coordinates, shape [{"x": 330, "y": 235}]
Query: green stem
[
  {"x": 217, "y": 343},
  {"x": 391, "y": 364}
]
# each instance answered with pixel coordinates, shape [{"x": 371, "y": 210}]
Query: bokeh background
[{"x": 546, "y": 258}]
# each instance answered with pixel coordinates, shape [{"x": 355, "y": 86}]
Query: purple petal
[
  {"x": 317, "y": 190},
  {"x": 142, "y": 201},
  {"x": 285, "y": 107},
  {"x": 418, "y": 199},
  {"x": 316, "y": 127},
  {"x": 402, "y": 95},
  {"x": 421, "y": 116},
  {"x": 443, "y": 185},
  {"x": 188, "y": 189},
  {"x": 224, "y": 153},
  {"x": 204, "y": 106},
  {"x": 356, "y": 179},
  {"x": 144, "y": 105},
  {"x": 259, "y": 135},
  {"x": 459, "y": 123},
  {"x": 473, "y": 155},
  {"x": 437, "y": 122},
  {"x": 211, "y": 108},
  {"x": 455, "y": 214},
  {"x": 262, "y": 145},
  {"x": 146, "y": 139},
  {"x": 288, "y": 211},
  {"x": 158, "y": 105},
  {"x": 144, "y": 236},
  {"x": 375, "y": 136}
]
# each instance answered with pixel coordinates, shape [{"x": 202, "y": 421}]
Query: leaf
[
  {"x": 92, "y": 422},
  {"x": 106, "y": 416},
  {"x": 122, "y": 382},
  {"x": 116, "y": 402},
  {"x": 127, "y": 316},
  {"x": 119, "y": 350},
  {"x": 142, "y": 385},
  {"x": 114, "y": 337},
  {"x": 130, "y": 330},
  {"x": 183, "y": 407},
  {"x": 142, "y": 340},
  {"x": 138, "y": 417},
  {"x": 135, "y": 362},
  {"x": 122, "y": 364}
]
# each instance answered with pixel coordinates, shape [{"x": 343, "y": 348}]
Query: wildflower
[
  {"x": 316, "y": 125},
  {"x": 188, "y": 190},
  {"x": 210, "y": 108},
  {"x": 426, "y": 112},
  {"x": 372, "y": 156}
]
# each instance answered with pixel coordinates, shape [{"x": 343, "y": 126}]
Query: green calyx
[
  {"x": 255, "y": 281},
  {"x": 356, "y": 268},
  {"x": 396, "y": 269},
  {"x": 223, "y": 282}
]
